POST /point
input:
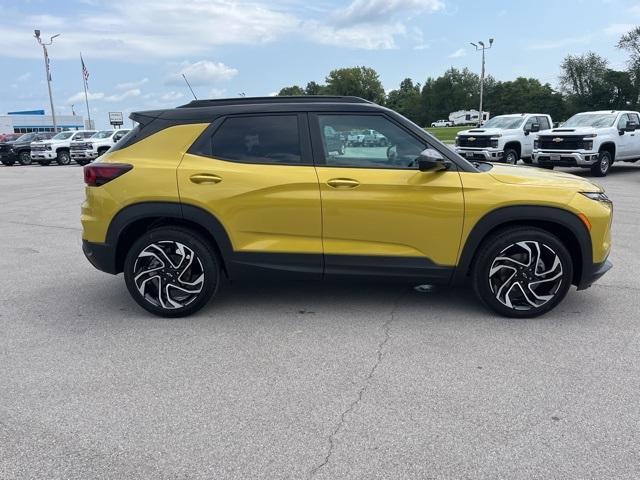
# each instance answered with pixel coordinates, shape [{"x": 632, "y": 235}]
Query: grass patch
[{"x": 446, "y": 134}]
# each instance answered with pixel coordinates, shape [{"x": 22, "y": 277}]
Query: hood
[
  {"x": 482, "y": 131},
  {"x": 571, "y": 131},
  {"x": 539, "y": 177}
]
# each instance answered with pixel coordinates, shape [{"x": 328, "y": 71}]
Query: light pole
[
  {"x": 46, "y": 66},
  {"x": 482, "y": 47}
]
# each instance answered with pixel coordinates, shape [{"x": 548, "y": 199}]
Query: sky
[{"x": 137, "y": 50}]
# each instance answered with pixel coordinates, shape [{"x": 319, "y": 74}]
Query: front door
[
  {"x": 380, "y": 214},
  {"x": 255, "y": 174}
]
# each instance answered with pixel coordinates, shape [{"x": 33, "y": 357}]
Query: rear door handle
[
  {"x": 343, "y": 183},
  {"x": 205, "y": 178}
]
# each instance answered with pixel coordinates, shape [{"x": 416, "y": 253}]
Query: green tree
[
  {"x": 406, "y": 101},
  {"x": 584, "y": 81},
  {"x": 455, "y": 90},
  {"x": 358, "y": 81},
  {"x": 294, "y": 90},
  {"x": 631, "y": 43},
  {"x": 524, "y": 95},
  {"x": 314, "y": 88}
]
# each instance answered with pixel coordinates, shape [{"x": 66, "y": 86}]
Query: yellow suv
[{"x": 273, "y": 186}]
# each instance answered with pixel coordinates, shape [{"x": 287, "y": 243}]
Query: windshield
[
  {"x": 503, "y": 122},
  {"x": 62, "y": 136},
  {"x": 598, "y": 120},
  {"x": 103, "y": 134},
  {"x": 26, "y": 137}
]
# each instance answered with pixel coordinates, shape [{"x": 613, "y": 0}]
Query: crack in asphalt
[{"x": 386, "y": 327}]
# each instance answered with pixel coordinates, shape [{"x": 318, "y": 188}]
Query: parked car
[
  {"x": 19, "y": 150},
  {"x": 505, "y": 138},
  {"x": 594, "y": 140},
  {"x": 355, "y": 139},
  {"x": 335, "y": 141},
  {"x": 442, "y": 123},
  {"x": 9, "y": 137},
  {"x": 372, "y": 138},
  {"x": 58, "y": 147},
  {"x": 84, "y": 151},
  {"x": 228, "y": 188}
]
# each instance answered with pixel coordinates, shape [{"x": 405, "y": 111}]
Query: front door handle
[
  {"x": 205, "y": 178},
  {"x": 343, "y": 183}
]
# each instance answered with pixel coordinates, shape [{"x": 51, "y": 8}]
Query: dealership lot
[{"x": 301, "y": 380}]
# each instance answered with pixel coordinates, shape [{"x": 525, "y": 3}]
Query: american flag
[{"x": 85, "y": 72}]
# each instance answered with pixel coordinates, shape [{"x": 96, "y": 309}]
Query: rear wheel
[
  {"x": 63, "y": 158},
  {"x": 171, "y": 272},
  {"x": 24, "y": 158},
  {"x": 522, "y": 272},
  {"x": 603, "y": 165}
]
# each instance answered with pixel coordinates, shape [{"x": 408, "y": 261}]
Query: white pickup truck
[
  {"x": 84, "y": 151},
  {"x": 592, "y": 140},
  {"x": 58, "y": 147},
  {"x": 505, "y": 138}
]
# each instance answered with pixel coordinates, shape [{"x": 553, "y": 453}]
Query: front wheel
[
  {"x": 603, "y": 165},
  {"x": 63, "y": 158},
  {"x": 24, "y": 158},
  {"x": 522, "y": 272},
  {"x": 510, "y": 156},
  {"x": 171, "y": 272}
]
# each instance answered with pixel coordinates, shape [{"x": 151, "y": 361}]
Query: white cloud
[
  {"x": 130, "y": 85},
  {"x": 201, "y": 73},
  {"x": 635, "y": 10},
  {"x": 107, "y": 29},
  {"x": 171, "y": 96},
  {"x": 376, "y": 11},
  {"x": 79, "y": 97},
  {"x": 24, "y": 77},
  {"x": 461, "y": 52},
  {"x": 367, "y": 37},
  {"x": 619, "y": 28},
  {"x": 118, "y": 97}
]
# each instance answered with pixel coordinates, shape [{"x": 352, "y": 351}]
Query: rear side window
[{"x": 271, "y": 139}]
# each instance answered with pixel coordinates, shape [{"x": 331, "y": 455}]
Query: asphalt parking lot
[{"x": 330, "y": 381}]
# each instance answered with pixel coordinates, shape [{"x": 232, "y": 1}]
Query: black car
[{"x": 20, "y": 149}]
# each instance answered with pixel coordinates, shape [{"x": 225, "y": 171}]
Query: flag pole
[{"x": 86, "y": 96}]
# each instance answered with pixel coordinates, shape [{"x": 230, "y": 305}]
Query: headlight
[
  {"x": 536, "y": 144},
  {"x": 591, "y": 135},
  {"x": 48, "y": 147},
  {"x": 89, "y": 145},
  {"x": 457, "y": 141},
  {"x": 494, "y": 142},
  {"x": 597, "y": 196},
  {"x": 587, "y": 144}
]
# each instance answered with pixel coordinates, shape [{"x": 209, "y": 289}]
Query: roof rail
[{"x": 218, "y": 102}]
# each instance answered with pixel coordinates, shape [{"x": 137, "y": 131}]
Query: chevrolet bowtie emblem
[
  {"x": 472, "y": 139},
  {"x": 558, "y": 139}
]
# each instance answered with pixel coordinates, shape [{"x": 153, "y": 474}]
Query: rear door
[
  {"x": 255, "y": 174},
  {"x": 382, "y": 216}
]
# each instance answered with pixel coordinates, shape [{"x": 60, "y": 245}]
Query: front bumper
[
  {"x": 597, "y": 271},
  {"x": 487, "y": 154},
  {"x": 43, "y": 155},
  {"x": 561, "y": 158},
  {"x": 100, "y": 255},
  {"x": 83, "y": 154}
]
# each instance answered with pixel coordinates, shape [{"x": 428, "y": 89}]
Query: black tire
[
  {"x": 44, "y": 163},
  {"x": 603, "y": 165},
  {"x": 502, "y": 257},
  {"x": 63, "y": 157},
  {"x": 205, "y": 275},
  {"x": 24, "y": 158},
  {"x": 510, "y": 156}
]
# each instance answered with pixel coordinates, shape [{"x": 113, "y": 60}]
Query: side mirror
[
  {"x": 431, "y": 160},
  {"x": 631, "y": 126},
  {"x": 535, "y": 128}
]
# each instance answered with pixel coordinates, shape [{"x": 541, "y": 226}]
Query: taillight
[{"x": 97, "y": 174}]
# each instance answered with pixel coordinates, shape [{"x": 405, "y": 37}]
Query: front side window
[
  {"x": 270, "y": 139},
  {"x": 368, "y": 141},
  {"x": 544, "y": 123}
]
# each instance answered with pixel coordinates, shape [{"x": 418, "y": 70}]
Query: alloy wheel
[
  {"x": 168, "y": 275},
  {"x": 526, "y": 275}
]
